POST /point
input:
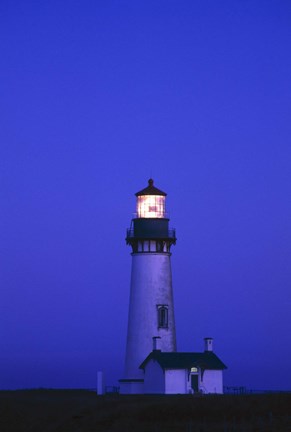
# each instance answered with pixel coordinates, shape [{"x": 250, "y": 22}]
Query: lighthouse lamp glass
[{"x": 151, "y": 206}]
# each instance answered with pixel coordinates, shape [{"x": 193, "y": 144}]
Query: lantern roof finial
[{"x": 151, "y": 190}]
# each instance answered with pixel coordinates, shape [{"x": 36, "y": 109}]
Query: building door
[{"x": 194, "y": 382}]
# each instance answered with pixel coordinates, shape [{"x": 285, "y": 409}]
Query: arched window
[{"x": 162, "y": 316}]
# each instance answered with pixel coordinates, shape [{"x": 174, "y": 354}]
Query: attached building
[{"x": 174, "y": 372}]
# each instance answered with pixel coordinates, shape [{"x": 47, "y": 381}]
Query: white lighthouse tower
[{"x": 151, "y": 308}]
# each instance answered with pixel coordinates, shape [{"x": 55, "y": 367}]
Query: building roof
[
  {"x": 175, "y": 360},
  {"x": 151, "y": 190}
]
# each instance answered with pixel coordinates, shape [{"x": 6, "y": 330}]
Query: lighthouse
[{"x": 151, "y": 308}]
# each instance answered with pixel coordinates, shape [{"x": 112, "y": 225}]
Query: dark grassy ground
[{"x": 77, "y": 410}]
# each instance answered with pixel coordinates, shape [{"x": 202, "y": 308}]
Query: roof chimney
[
  {"x": 208, "y": 344},
  {"x": 156, "y": 343}
]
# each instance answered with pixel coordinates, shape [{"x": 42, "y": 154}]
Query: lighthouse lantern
[
  {"x": 150, "y": 206},
  {"x": 151, "y": 202}
]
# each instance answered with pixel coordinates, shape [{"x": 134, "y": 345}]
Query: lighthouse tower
[{"x": 151, "y": 308}]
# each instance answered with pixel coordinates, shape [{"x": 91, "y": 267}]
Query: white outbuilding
[{"x": 183, "y": 372}]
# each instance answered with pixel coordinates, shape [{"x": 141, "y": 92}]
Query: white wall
[
  {"x": 176, "y": 381},
  {"x": 212, "y": 382},
  {"x": 154, "y": 378}
]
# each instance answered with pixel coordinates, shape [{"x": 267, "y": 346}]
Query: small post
[{"x": 100, "y": 383}]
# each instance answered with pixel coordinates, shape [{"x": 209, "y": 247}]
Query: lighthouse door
[{"x": 194, "y": 382}]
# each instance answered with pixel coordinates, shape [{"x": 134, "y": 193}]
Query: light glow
[{"x": 150, "y": 206}]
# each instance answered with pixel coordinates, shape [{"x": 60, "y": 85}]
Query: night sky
[{"x": 96, "y": 97}]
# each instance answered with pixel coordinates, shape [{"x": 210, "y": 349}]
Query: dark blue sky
[{"x": 95, "y": 98}]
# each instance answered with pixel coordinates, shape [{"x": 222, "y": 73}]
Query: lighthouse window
[{"x": 163, "y": 316}]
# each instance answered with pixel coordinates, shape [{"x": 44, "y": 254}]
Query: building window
[{"x": 162, "y": 316}]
